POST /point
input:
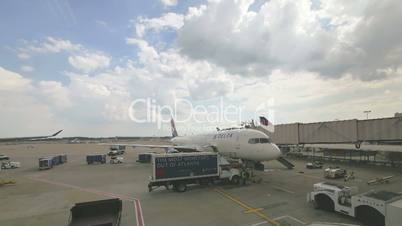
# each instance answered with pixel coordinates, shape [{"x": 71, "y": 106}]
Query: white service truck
[
  {"x": 178, "y": 170},
  {"x": 373, "y": 208},
  {"x": 10, "y": 165}
]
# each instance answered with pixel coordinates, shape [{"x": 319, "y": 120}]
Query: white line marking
[
  {"x": 340, "y": 224},
  {"x": 284, "y": 189},
  {"x": 293, "y": 218},
  {"x": 264, "y": 222}
]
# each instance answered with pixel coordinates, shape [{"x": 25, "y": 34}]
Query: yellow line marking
[
  {"x": 256, "y": 211},
  {"x": 253, "y": 210}
]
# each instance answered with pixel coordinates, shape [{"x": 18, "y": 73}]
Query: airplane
[
  {"x": 249, "y": 145},
  {"x": 30, "y": 138}
]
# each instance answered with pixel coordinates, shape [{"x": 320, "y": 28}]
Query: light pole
[{"x": 367, "y": 113}]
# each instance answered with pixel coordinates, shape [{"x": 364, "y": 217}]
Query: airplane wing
[{"x": 30, "y": 138}]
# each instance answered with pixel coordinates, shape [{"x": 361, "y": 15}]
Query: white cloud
[
  {"x": 21, "y": 112},
  {"x": 89, "y": 62},
  {"x": 80, "y": 58},
  {"x": 333, "y": 39},
  {"x": 53, "y": 45},
  {"x": 11, "y": 81},
  {"x": 313, "y": 60},
  {"x": 23, "y": 55},
  {"x": 168, "y": 20},
  {"x": 27, "y": 68},
  {"x": 169, "y": 2},
  {"x": 97, "y": 105},
  {"x": 307, "y": 97},
  {"x": 55, "y": 94}
]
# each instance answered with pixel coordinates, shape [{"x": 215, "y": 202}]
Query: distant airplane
[
  {"x": 249, "y": 145},
  {"x": 30, "y": 138}
]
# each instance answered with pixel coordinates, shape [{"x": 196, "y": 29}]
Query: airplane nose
[{"x": 278, "y": 150}]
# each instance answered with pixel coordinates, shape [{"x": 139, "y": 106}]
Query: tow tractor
[
  {"x": 10, "y": 165},
  {"x": 373, "y": 208},
  {"x": 116, "y": 160},
  {"x": 314, "y": 165},
  {"x": 334, "y": 173}
]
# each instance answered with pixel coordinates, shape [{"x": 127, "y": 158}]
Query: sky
[{"x": 123, "y": 68}]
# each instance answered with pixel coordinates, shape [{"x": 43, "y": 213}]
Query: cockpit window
[
  {"x": 265, "y": 140},
  {"x": 253, "y": 140},
  {"x": 259, "y": 140}
]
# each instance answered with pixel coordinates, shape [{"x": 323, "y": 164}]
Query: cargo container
[
  {"x": 96, "y": 158},
  {"x": 55, "y": 159},
  {"x": 102, "y": 212},
  {"x": 45, "y": 163},
  {"x": 63, "y": 158},
  {"x": 180, "y": 169}
]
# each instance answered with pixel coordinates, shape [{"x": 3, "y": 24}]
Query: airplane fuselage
[{"x": 246, "y": 144}]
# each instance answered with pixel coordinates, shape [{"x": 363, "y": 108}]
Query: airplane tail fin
[
  {"x": 57, "y": 133},
  {"x": 266, "y": 124},
  {"x": 174, "y": 131}
]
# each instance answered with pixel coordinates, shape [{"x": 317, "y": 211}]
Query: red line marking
[{"x": 138, "y": 213}]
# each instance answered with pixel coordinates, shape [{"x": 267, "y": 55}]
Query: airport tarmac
[{"x": 45, "y": 197}]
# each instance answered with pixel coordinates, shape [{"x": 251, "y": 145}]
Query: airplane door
[{"x": 237, "y": 145}]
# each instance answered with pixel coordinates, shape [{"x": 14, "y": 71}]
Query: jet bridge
[{"x": 381, "y": 130}]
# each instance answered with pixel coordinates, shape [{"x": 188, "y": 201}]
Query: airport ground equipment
[
  {"x": 314, "y": 165},
  {"x": 334, "y": 173},
  {"x": 10, "y": 165},
  {"x": 6, "y": 182},
  {"x": 349, "y": 176},
  {"x": 49, "y": 162},
  {"x": 115, "y": 152},
  {"x": 120, "y": 148},
  {"x": 45, "y": 163},
  {"x": 62, "y": 158},
  {"x": 286, "y": 163},
  {"x": 373, "y": 208},
  {"x": 4, "y": 157},
  {"x": 181, "y": 169},
  {"x": 101, "y": 212},
  {"x": 144, "y": 157},
  {"x": 116, "y": 160},
  {"x": 380, "y": 180},
  {"x": 96, "y": 158}
]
